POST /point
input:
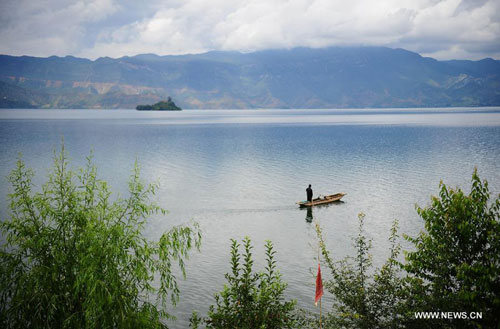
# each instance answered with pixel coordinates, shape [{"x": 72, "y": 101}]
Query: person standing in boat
[{"x": 309, "y": 192}]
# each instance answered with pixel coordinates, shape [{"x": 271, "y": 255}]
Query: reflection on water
[
  {"x": 309, "y": 214},
  {"x": 309, "y": 210},
  {"x": 239, "y": 173}
]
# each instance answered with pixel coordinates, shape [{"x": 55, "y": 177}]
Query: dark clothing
[{"x": 309, "y": 192}]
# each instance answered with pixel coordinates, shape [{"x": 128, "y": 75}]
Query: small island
[{"x": 168, "y": 105}]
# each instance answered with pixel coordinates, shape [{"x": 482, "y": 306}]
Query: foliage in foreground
[
  {"x": 454, "y": 267},
  {"x": 73, "y": 258},
  {"x": 364, "y": 297},
  {"x": 456, "y": 263},
  {"x": 250, "y": 300}
]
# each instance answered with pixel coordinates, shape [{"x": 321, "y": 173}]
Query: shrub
[
  {"x": 455, "y": 266},
  {"x": 250, "y": 300},
  {"x": 364, "y": 297},
  {"x": 72, "y": 258}
]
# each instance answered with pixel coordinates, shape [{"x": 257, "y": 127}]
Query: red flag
[{"x": 319, "y": 286}]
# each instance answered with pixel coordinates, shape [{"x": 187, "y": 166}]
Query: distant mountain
[{"x": 297, "y": 78}]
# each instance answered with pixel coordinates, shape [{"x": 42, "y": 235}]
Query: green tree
[
  {"x": 455, "y": 266},
  {"x": 250, "y": 300},
  {"x": 73, "y": 258},
  {"x": 364, "y": 297}
]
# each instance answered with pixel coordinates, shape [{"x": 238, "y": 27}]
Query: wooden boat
[{"x": 321, "y": 200}]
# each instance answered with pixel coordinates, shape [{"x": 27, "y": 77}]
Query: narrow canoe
[{"x": 321, "y": 200}]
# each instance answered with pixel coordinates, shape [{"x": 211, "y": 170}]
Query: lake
[{"x": 239, "y": 173}]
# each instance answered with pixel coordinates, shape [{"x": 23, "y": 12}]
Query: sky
[{"x": 442, "y": 29}]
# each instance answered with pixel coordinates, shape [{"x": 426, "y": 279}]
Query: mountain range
[{"x": 362, "y": 77}]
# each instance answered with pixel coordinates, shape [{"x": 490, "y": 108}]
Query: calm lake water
[{"x": 239, "y": 173}]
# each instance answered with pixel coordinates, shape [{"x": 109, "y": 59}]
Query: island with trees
[{"x": 167, "y": 105}]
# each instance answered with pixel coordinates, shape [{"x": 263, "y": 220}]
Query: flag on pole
[{"x": 319, "y": 287}]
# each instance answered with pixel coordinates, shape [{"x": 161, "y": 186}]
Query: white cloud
[
  {"x": 438, "y": 28},
  {"x": 445, "y": 31},
  {"x": 46, "y": 27}
]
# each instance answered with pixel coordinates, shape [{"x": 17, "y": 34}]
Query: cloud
[
  {"x": 447, "y": 30},
  {"x": 93, "y": 28},
  {"x": 45, "y": 27}
]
